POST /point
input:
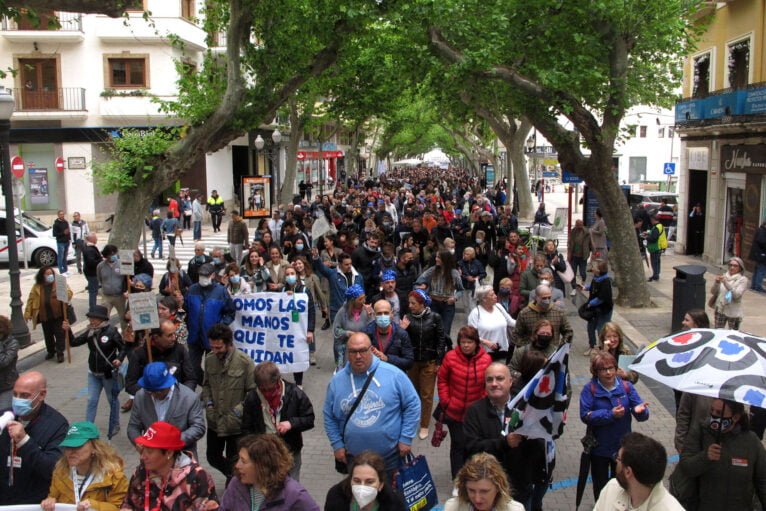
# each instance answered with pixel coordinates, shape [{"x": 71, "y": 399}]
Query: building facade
[{"x": 722, "y": 124}]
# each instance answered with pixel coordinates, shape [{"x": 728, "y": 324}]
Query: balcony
[
  {"x": 22, "y": 31},
  {"x": 725, "y": 106},
  {"x": 114, "y": 31},
  {"x": 66, "y": 102}
]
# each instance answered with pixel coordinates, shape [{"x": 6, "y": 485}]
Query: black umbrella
[{"x": 588, "y": 443}]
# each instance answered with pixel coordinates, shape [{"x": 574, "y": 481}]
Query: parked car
[
  {"x": 39, "y": 244},
  {"x": 651, "y": 200}
]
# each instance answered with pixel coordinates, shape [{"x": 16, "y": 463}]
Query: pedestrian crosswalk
[{"x": 184, "y": 249}]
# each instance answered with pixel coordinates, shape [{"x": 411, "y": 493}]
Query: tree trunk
[
  {"x": 132, "y": 209},
  {"x": 625, "y": 258},
  {"x": 296, "y": 134}
]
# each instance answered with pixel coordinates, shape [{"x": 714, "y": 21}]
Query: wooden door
[{"x": 40, "y": 89}]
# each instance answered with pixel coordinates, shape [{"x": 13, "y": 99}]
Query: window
[
  {"x": 637, "y": 169},
  {"x": 660, "y": 132},
  {"x": 701, "y": 86},
  {"x": 187, "y": 9},
  {"x": 671, "y": 132},
  {"x": 127, "y": 72},
  {"x": 739, "y": 64},
  {"x": 136, "y": 6},
  {"x": 642, "y": 131}
]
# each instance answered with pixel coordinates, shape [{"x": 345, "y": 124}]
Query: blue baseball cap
[{"x": 157, "y": 376}]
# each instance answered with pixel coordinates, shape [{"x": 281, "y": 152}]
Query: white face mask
[
  {"x": 364, "y": 494},
  {"x": 204, "y": 281}
]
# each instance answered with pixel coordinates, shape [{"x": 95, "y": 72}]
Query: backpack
[{"x": 662, "y": 241}]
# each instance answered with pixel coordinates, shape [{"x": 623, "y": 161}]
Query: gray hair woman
[{"x": 492, "y": 322}]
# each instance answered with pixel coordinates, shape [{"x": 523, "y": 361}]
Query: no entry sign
[{"x": 17, "y": 166}]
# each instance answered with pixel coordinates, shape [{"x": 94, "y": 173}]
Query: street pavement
[{"x": 68, "y": 388}]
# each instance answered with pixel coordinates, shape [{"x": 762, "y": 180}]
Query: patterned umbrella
[{"x": 725, "y": 364}]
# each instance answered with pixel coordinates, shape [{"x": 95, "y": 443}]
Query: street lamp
[
  {"x": 273, "y": 155},
  {"x": 19, "y": 329}
]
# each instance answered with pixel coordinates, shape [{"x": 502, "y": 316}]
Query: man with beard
[
  {"x": 363, "y": 258},
  {"x": 641, "y": 463},
  {"x": 229, "y": 376},
  {"x": 406, "y": 275}
]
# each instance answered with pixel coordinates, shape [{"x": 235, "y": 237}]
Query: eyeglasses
[
  {"x": 607, "y": 369},
  {"x": 360, "y": 351}
]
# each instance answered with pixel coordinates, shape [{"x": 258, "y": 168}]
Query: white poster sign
[
  {"x": 61, "y": 289},
  {"x": 272, "y": 327},
  {"x": 126, "y": 262},
  {"x": 143, "y": 311}
]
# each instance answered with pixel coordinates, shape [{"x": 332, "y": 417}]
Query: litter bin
[{"x": 688, "y": 292}]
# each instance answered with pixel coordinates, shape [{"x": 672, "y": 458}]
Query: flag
[{"x": 540, "y": 409}]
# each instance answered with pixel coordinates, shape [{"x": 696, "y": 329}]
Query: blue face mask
[
  {"x": 199, "y": 258},
  {"x": 216, "y": 260},
  {"x": 291, "y": 279},
  {"x": 299, "y": 246},
  {"x": 23, "y": 407},
  {"x": 234, "y": 279},
  {"x": 50, "y": 279},
  {"x": 113, "y": 258},
  {"x": 383, "y": 321}
]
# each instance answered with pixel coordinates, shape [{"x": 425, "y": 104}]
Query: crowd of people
[{"x": 386, "y": 263}]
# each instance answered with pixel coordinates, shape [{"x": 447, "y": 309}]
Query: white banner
[{"x": 272, "y": 327}]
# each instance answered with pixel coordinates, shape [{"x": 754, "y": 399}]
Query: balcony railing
[
  {"x": 723, "y": 106},
  {"x": 68, "y": 21},
  {"x": 65, "y": 99}
]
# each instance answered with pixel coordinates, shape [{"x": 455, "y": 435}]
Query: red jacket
[{"x": 461, "y": 381}]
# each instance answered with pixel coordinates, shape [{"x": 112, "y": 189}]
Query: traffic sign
[
  {"x": 549, "y": 174},
  {"x": 60, "y": 164},
  {"x": 17, "y": 166},
  {"x": 669, "y": 169},
  {"x": 568, "y": 177}
]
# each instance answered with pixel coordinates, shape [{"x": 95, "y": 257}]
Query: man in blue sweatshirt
[{"x": 385, "y": 421}]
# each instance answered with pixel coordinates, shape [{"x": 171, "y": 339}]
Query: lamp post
[
  {"x": 273, "y": 154},
  {"x": 19, "y": 329}
]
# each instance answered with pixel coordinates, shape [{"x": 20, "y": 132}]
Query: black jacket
[
  {"x": 143, "y": 266},
  {"x": 363, "y": 260},
  {"x": 109, "y": 340},
  {"x": 483, "y": 433},
  {"x": 38, "y": 458},
  {"x": 398, "y": 350},
  {"x": 177, "y": 356},
  {"x": 91, "y": 257},
  {"x": 296, "y": 408},
  {"x": 498, "y": 260},
  {"x": 427, "y": 336},
  {"x": 339, "y": 498},
  {"x": 405, "y": 283},
  {"x": 61, "y": 231},
  {"x": 758, "y": 248}
]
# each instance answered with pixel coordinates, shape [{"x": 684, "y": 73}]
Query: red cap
[{"x": 162, "y": 435}]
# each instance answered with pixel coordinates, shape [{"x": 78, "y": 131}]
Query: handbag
[
  {"x": 340, "y": 466},
  {"x": 439, "y": 433},
  {"x": 586, "y": 312},
  {"x": 568, "y": 274},
  {"x": 70, "y": 314},
  {"x": 414, "y": 482}
]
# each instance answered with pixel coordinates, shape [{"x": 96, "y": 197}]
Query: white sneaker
[
  {"x": 423, "y": 433},
  {"x": 312, "y": 359},
  {"x": 573, "y": 292},
  {"x": 587, "y": 352}
]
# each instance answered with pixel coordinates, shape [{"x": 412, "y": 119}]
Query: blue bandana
[
  {"x": 388, "y": 275},
  {"x": 354, "y": 292}
]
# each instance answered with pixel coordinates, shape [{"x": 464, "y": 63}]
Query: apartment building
[{"x": 722, "y": 124}]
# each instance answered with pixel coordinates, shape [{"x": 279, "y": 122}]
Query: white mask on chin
[{"x": 364, "y": 494}]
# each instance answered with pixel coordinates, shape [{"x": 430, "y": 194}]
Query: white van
[{"x": 39, "y": 246}]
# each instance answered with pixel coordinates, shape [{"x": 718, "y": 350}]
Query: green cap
[{"x": 79, "y": 433}]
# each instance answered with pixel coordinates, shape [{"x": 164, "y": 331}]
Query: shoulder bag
[{"x": 340, "y": 466}]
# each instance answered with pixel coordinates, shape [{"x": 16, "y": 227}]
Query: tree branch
[{"x": 580, "y": 116}]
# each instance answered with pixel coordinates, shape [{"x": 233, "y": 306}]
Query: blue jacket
[
  {"x": 206, "y": 307},
  {"x": 398, "y": 349},
  {"x": 472, "y": 268},
  {"x": 388, "y": 414},
  {"x": 338, "y": 284},
  {"x": 596, "y": 405}
]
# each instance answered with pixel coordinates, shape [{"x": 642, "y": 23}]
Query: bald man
[{"x": 30, "y": 443}]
